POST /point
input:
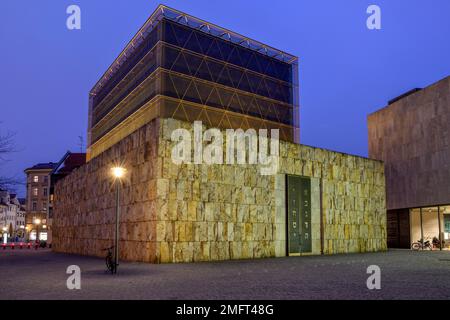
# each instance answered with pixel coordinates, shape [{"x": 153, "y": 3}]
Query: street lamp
[
  {"x": 22, "y": 232},
  {"x": 118, "y": 173},
  {"x": 37, "y": 222},
  {"x": 5, "y": 235}
]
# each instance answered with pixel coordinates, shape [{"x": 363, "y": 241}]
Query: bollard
[
  {"x": 29, "y": 245},
  {"x": 4, "y": 246},
  {"x": 35, "y": 247},
  {"x": 21, "y": 245},
  {"x": 12, "y": 246}
]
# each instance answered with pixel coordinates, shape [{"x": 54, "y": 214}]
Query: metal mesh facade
[{"x": 193, "y": 72}]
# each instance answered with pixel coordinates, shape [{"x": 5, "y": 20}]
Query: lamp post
[
  {"x": 118, "y": 173},
  {"x": 5, "y": 235},
  {"x": 27, "y": 229},
  {"x": 37, "y": 222},
  {"x": 22, "y": 233}
]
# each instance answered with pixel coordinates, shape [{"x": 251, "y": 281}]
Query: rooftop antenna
[{"x": 81, "y": 143}]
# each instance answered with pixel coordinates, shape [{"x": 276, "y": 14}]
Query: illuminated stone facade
[{"x": 188, "y": 212}]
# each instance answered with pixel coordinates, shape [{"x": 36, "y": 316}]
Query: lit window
[
  {"x": 35, "y": 179},
  {"x": 35, "y": 192}
]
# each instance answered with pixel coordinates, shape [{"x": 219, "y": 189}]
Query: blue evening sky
[{"x": 346, "y": 70}]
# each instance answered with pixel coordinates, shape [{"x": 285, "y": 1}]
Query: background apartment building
[
  {"x": 40, "y": 195},
  {"x": 12, "y": 215},
  {"x": 38, "y": 198}
]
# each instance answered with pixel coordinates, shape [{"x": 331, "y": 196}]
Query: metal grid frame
[{"x": 163, "y": 11}]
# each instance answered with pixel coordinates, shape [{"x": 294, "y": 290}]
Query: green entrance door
[{"x": 299, "y": 214}]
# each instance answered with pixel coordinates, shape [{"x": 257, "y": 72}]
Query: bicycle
[
  {"x": 109, "y": 260},
  {"x": 421, "y": 245}
]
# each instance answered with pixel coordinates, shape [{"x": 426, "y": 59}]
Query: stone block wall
[
  {"x": 353, "y": 197},
  {"x": 201, "y": 212},
  {"x": 84, "y": 203}
]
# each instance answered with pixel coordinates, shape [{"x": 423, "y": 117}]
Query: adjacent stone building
[
  {"x": 411, "y": 135},
  {"x": 177, "y": 70}
]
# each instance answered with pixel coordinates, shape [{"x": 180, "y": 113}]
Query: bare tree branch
[
  {"x": 6, "y": 144},
  {"x": 7, "y": 147}
]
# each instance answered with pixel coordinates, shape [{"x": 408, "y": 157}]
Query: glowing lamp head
[
  {"x": 4, "y": 229},
  {"x": 37, "y": 221},
  {"x": 118, "y": 172}
]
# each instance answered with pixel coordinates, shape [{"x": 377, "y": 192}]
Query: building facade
[
  {"x": 69, "y": 162},
  {"x": 177, "y": 70},
  {"x": 41, "y": 179},
  {"x": 411, "y": 136},
  {"x": 189, "y": 69},
  {"x": 12, "y": 216},
  {"x": 38, "y": 198}
]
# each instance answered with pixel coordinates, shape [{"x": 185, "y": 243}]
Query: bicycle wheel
[
  {"x": 109, "y": 264},
  {"x": 416, "y": 246}
]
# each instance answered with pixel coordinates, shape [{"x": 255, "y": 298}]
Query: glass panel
[
  {"x": 235, "y": 105},
  {"x": 225, "y": 48},
  {"x": 214, "y": 51},
  {"x": 245, "y": 102},
  {"x": 204, "y": 90},
  {"x": 253, "y": 64},
  {"x": 225, "y": 96},
  {"x": 244, "y": 84},
  {"x": 182, "y": 34},
  {"x": 254, "y": 81},
  {"x": 214, "y": 100},
  {"x": 235, "y": 75},
  {"x": 192, "y": 94},
  {"x": 203, "y": 71},
  {"x": 245, "y": 55},
  {"x": 193, "y": 44},
  {"x": 181, "y": 65},
  {"x": 224, "y": 78},
  {"x": 170, "y": 56},
  {"x": 169, "y": 34},
  {"x": 181, "y": 85},
  {"x": 215, "y": 68},
  {"x": 192, "y": 112},
  {"x": 205, "y": 42},
  {"x": 234, "y": 57}
]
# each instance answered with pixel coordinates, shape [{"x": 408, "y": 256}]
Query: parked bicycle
[
  {"x": 421, "y": 245},
  {"x": 110, "y": 264}
]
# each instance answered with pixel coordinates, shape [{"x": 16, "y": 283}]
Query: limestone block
[
  {"x": 279, "y": 231},
  {"x": 192, "y": 210}
]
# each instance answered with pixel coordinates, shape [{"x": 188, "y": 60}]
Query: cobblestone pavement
[{"x": 30, "y": 274}]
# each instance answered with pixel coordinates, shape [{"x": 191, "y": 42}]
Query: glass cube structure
[{"x": 182, "y": 67}]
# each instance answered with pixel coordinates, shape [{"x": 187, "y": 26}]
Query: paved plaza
[{"x": 30, "y": 274}]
